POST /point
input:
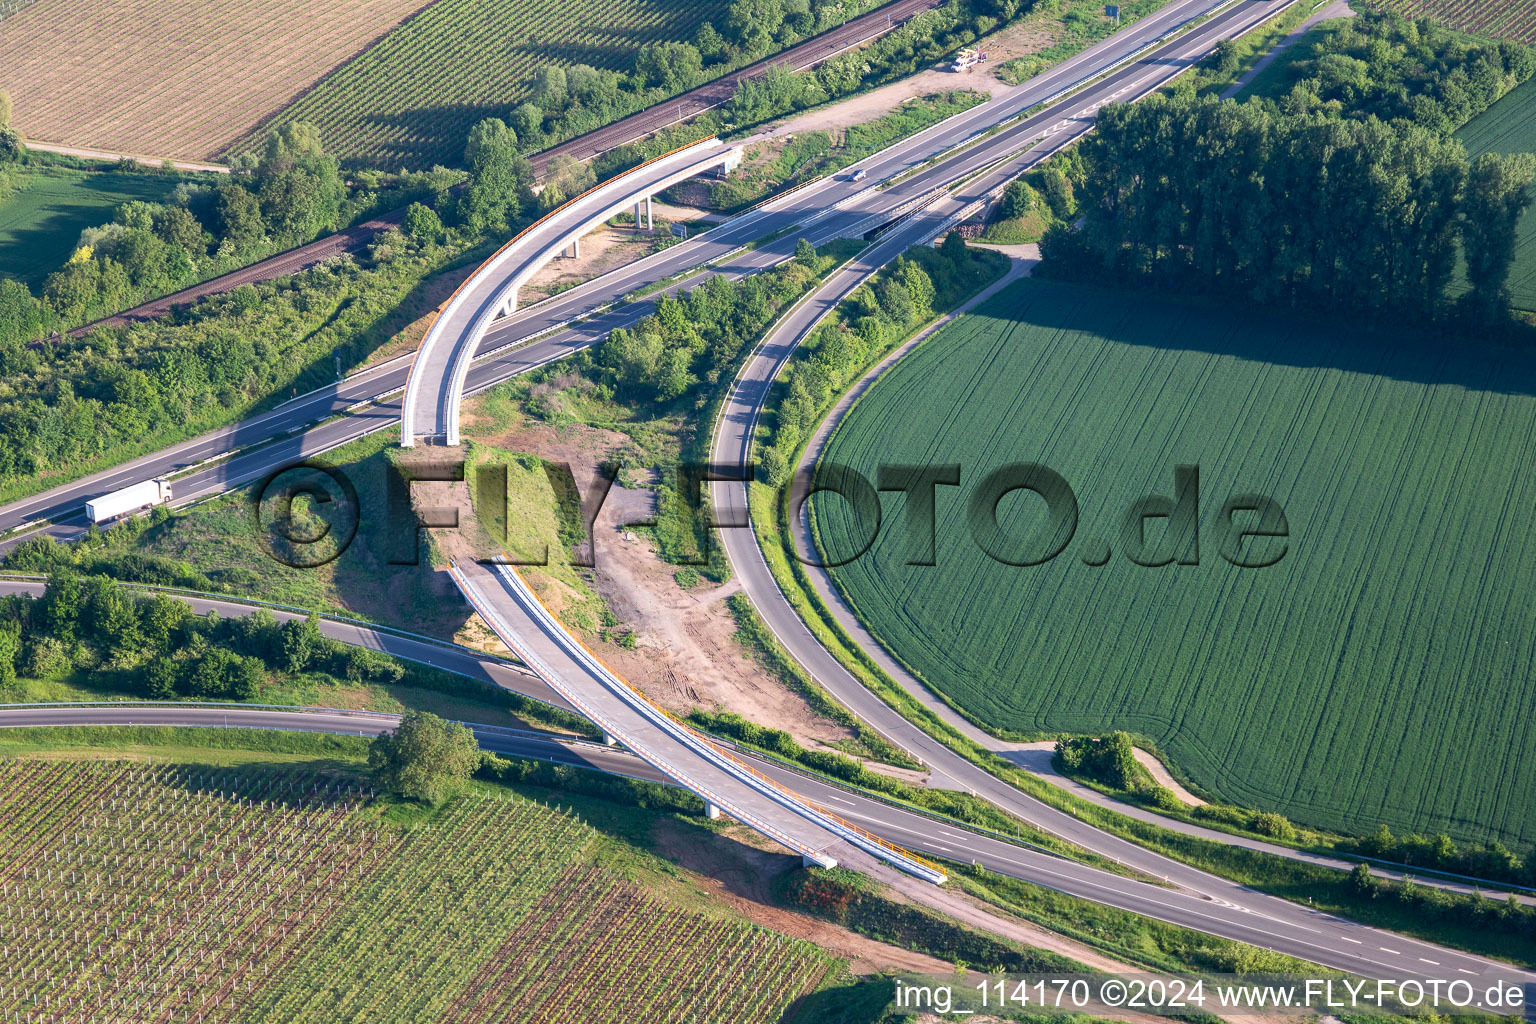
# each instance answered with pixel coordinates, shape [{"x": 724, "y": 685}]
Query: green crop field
[
  {"x": 1381, "y": 671},
  {"x": 1509, "y": 126},
  {"x": 256, "y": 893},
  {"x": 41, "y": 224},
  {"x": 411, "y": 99}
]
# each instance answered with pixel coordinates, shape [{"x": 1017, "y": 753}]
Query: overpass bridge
[
  {"x": 726, "y": 784},
  {"x": 435, "y": 387}
]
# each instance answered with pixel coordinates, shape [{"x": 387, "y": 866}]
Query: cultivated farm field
[
  {"x": 1383, "y": 671},
  {"x": 410, "y": 100},
  {"x": 174, "y": 79},
  {"x": 1509, "y": 126},
  {"x": 40, "y": 225},
  {"x": 262, "y": 893},
  {"x": 1502, "y": 19}
]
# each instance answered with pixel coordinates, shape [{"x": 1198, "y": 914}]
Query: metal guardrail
[{"x": 895, "y": 854}]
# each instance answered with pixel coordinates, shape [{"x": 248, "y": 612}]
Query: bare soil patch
[
  {"x": 685, "y": 654},
  {"x": 741, "y": 874},
  {"x": 607, "y": 248}
]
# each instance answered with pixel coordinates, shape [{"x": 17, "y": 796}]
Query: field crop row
[
  {"x": 1384, "y": 670},
  {"x": 136, "y": 893},
  {"x": 1509, "y": 126},
  {"x": 411, "y": 99},
  {"x": 1509, "y": 19},
  {"x": 180, "y": 80}
]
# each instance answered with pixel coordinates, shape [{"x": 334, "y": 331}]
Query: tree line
[
  {"x": 1492, "y": 861},
  {"x": 74, "y": 402},
  {"x": 290, "y": 195},
  {"x": 153, "y": 645},
  {"x": 1344, "y": 191},
  {"x": 1308, "y": 210},
  {"x": 866, "y": 325},
  {"x": 571, "y": 100},
  {"x": 1394, "y": 68}
]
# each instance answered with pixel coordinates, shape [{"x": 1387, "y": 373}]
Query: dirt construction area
[
  {"x": 684, "y": 654},
  {"x": 175, "y": 79}
]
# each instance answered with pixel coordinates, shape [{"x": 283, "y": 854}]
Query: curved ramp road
[
  {"x": 1278, "y": 924},
  {"x": 820, "y": 212},
  {"x": 1318, "y": 938},
  {"x": 544, "y": 332},
  {"x": 436, "y": 383},
  {"x": 525, "y": 625}
]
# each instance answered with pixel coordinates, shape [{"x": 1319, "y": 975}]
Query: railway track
[{"x": 584, "y": 147}]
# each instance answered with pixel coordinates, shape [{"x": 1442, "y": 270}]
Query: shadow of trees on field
[{"x": 1227, "y": 326}]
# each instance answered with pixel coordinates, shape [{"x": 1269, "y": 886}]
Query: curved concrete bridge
[
  {"x": 430, "y": 411},
  {"x": 726, "y": 785}
]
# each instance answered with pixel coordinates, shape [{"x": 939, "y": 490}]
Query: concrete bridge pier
[
  {"x": 609, "y": 741},
  {"x": 711, "y": 811}
]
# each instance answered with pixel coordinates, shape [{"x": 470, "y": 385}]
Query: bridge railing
[{"x": 413, "y": 380}]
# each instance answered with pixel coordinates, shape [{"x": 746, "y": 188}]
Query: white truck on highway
[{"x": 129, "y": 499}]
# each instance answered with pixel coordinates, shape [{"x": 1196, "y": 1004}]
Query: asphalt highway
[
  {"x": 546, "y": 331},
  {"x": 1268, "y": 923},
  {"x": 808, "y": 54}
]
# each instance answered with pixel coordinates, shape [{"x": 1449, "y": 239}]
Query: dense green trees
[
  {"x": 153, "y": 644},
  {"x": 1108, "y": 759},
  {"x": 872, "y": 320},
  {"x": 569, "y": 101},
  {"x": 1344, "y": 190},
  {"x": 425, "y": 758},
  {"x": 1497, "y": 193},
  {"x": 11, "y": 146},
  {"x": 75, "y": 400},
  {"x": 499, "y": 177},
  {"x": 1494, "y": 861},
  {"x": 292, "y": 194},
  {"x": 697, "y": 336},
  {"x": 1392, "y": 68},
  {"x": 1302, "y": 209}
]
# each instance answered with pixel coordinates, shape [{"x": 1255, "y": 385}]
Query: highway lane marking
[
  {"x": 1427, "y": 960},
  {"x": 1384, "y": 949},
  {"x": 1346, "y": 938},
  {"x": 1463, "y": 970}
]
